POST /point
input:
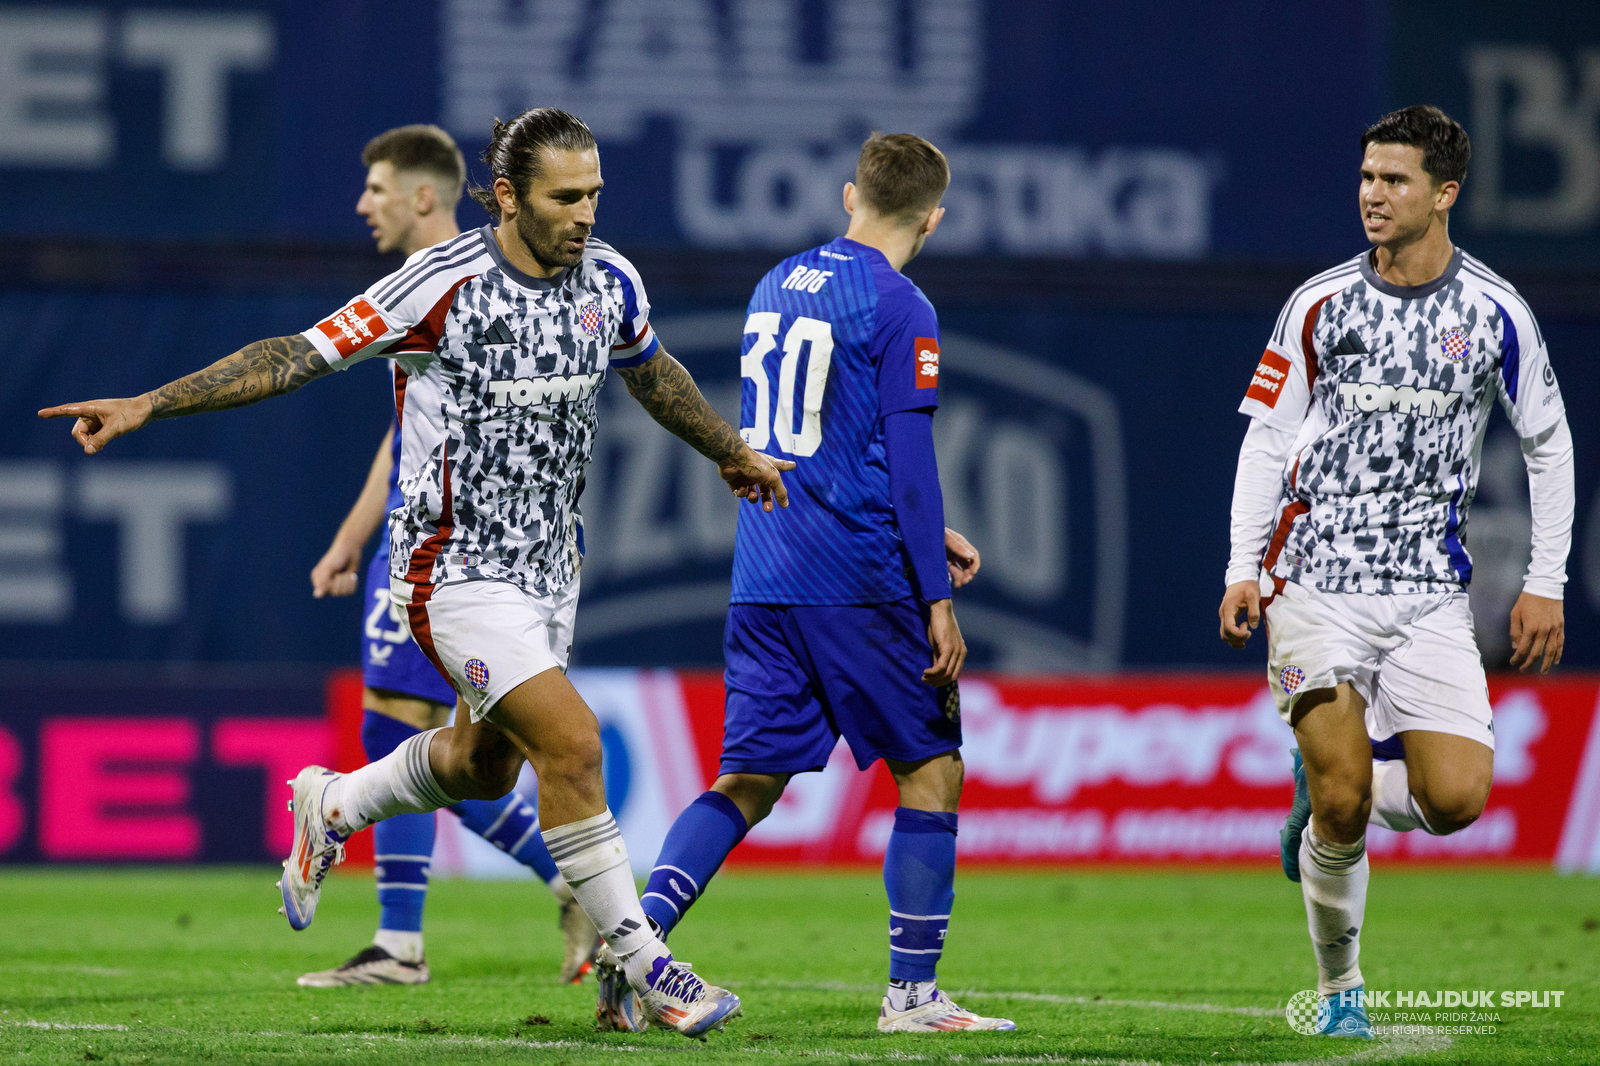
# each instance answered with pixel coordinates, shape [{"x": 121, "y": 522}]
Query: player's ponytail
[{"x": 514, "y": 150}]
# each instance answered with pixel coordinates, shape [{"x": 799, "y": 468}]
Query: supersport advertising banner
[{"x": 1132, "y": 769}]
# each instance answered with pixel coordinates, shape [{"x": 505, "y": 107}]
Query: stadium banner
[
  {"x": 732, "y": 123},
  {"x": 1154, "y": 768},
  {"x": 147, "y": 764},
  {"x": 722, "y": 124}
]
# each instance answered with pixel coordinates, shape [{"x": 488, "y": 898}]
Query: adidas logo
[{"x": 496, "y": 334}]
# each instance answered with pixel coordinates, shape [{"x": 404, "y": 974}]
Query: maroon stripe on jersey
[
  {"x": 1306, "y": 345},
  {"x": 399, "y": 392},
  {"x": 424, "y": 336},
  {"x": 421, "y": 630},
  {"x": 1280, "y": 536},
  {"x": 420, "y": 572}
]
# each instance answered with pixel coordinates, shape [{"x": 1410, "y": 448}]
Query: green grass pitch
[{"x": 155, "y": 966}]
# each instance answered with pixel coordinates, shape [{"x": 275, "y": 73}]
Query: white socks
[
  {"x": 558, "y": 888},
  {"x": 594, "y": 861},
  {"x": 1333, "y": 878},
  {"x": 407, "y": 947},
  {"x": 1393, "y": 805},
  {"x": 903, "y": 995},
  {"x": 401, "y": 782}
]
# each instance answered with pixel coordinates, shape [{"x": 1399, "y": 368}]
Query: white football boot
[
  {"x": 674, "y": 998},
  {"x": 618, "y": 1008},
  {"x": 937, "y": 1015},
  {"x": 371, "y": 966},
  {"x": 317, "y": 849},
  {"x": 583, "y": 943}
]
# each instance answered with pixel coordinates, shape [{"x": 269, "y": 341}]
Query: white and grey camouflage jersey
[
  {"x": 1389, "y": 391},
  {"x": 495, "y": 376}
]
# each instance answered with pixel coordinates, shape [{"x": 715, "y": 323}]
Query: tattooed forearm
[
  {"x": 665, "y": 389},
  {"x": 256, "y": 371}
]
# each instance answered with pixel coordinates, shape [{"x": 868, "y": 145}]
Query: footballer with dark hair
[
  {"x": 500, "y": 339},
  {"x": 415, "y": 176},
  {"x": 1349, "y": 530}
]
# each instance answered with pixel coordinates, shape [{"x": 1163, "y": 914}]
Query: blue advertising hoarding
[
  {"x": 1087, "y": 446},
  {"x": 1073, "y": 129}
]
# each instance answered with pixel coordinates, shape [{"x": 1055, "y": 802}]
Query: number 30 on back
[{"x": 765, "y": 325}]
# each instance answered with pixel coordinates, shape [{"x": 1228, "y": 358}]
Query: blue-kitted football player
[{"x": 841, "y": 620}]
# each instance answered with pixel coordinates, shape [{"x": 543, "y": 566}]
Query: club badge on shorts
[
  {"x": 477, "y": 674},
  {"x": 1453, "y": 344},
  {"x": 589, "y": 319},
  {"x": 1291, "y": 678}
]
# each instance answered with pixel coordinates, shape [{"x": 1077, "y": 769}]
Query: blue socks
[
  {"x": 919, "y": 872},
  {"x": 511, "y": 824},
  {"x": 403, "y": 845},
  {"x": 696, "y": 844}
]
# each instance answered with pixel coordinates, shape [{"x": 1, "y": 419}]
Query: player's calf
[{"x": 475, "y": 761}]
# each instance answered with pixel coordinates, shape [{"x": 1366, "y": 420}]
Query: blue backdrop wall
[{"x": 1136, "y": 189}]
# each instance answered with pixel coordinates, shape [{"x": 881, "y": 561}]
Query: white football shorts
[
  {"x": 488, "y": 636},
  {"x": 1412, "y": 658}
]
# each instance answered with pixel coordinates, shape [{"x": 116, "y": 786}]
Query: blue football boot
[
  {"x": 1294, "y": 826},
  {"x": 1348, "y": 1015}
]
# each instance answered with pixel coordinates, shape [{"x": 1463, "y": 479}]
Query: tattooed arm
[
  {"x": 664, "y": 388},
  {"x": 265, "y": 368}
]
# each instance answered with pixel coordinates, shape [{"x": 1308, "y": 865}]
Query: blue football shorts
[
  {"x": 390, "y": 659},
  {"x": 799, "y": 677}
]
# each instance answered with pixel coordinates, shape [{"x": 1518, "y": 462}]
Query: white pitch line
[
  {"x": 1378, "y": 1051},
  {"x": 1038, "y": 997},
  {"x": 92, "y": 971}
]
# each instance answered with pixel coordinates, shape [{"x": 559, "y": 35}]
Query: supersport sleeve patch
[
  {"x": 927, "y": 362},
  {"x": 352, "y": 328},
  {"x": 1269, "y": 379}
]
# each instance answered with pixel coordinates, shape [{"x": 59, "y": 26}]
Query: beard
[{"x": 546, "y": 241}]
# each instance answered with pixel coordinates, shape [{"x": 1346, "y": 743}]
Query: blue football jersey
[{"x": 835, "y": 339}]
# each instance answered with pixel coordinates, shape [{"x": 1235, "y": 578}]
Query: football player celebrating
[
  {"x": 415, "y": 176},
  {"x": 501, "y": 339},
  {"x": 1349, "y": 527},
  {"x": 841, "y": 619}
]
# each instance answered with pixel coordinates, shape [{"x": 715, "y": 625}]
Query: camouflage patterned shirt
[
  {"x": 495, "y": 376},
  {"x": 1389, "y": 390}
]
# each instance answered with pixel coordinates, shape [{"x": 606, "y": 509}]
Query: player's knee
[
  {"x": 1452, "y": 807},
  {"x": 574, "y": 757},
  {"x": 1341, "y": 809},
  {"x": 753, "y": 794}
]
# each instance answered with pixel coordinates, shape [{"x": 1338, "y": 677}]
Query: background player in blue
[
  {"x": 415, "y": 176},
  {"x": 841, "y": 619}
]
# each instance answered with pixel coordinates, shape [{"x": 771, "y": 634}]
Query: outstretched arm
[
  {"x": 665, "y": 389},
  {"x": 253, "y": 373}
]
